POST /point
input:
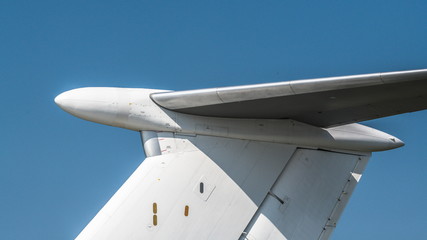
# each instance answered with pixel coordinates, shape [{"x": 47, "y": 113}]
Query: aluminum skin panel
[
  {"x": 134, "y": 109},
  {"x": 323, "y": 102},
  {"x": 163, "y": 199},
  {"x": 309, "y": 196}
]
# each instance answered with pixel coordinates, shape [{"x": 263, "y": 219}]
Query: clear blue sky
[{"x": 57, "y": 171}]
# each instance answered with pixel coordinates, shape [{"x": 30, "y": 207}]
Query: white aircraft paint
[
  {"x": 134, "y": 109},
  {"x": 218, "y": 176}
]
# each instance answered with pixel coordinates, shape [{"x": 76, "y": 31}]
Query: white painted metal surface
[
  {"x": 236, "y": 174},
  {"x": 213, "y": 96},
  {"x": 323, "y": 102},
  {"x": 150, "y": 143},
  {"x": 308, "y": 197},
  {"x": 133, "y": 109},
  {"x": 216, "y": 177}
]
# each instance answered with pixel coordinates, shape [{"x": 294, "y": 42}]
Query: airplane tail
[{"x": 203, "y": 187}]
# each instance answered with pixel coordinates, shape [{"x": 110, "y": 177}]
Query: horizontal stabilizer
[{"x": 322, "y": 102}]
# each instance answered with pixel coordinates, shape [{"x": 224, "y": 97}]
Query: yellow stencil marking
[
  {"x": 155, "y": 220},
  {"x": 186, "y": 210},
  {"x": 154, "y": 208}
]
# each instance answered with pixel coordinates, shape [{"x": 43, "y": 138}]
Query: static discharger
[{"x": 186, "y": 210}]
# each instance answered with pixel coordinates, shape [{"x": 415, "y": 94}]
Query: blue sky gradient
[{"x": 57, "y": 171}]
